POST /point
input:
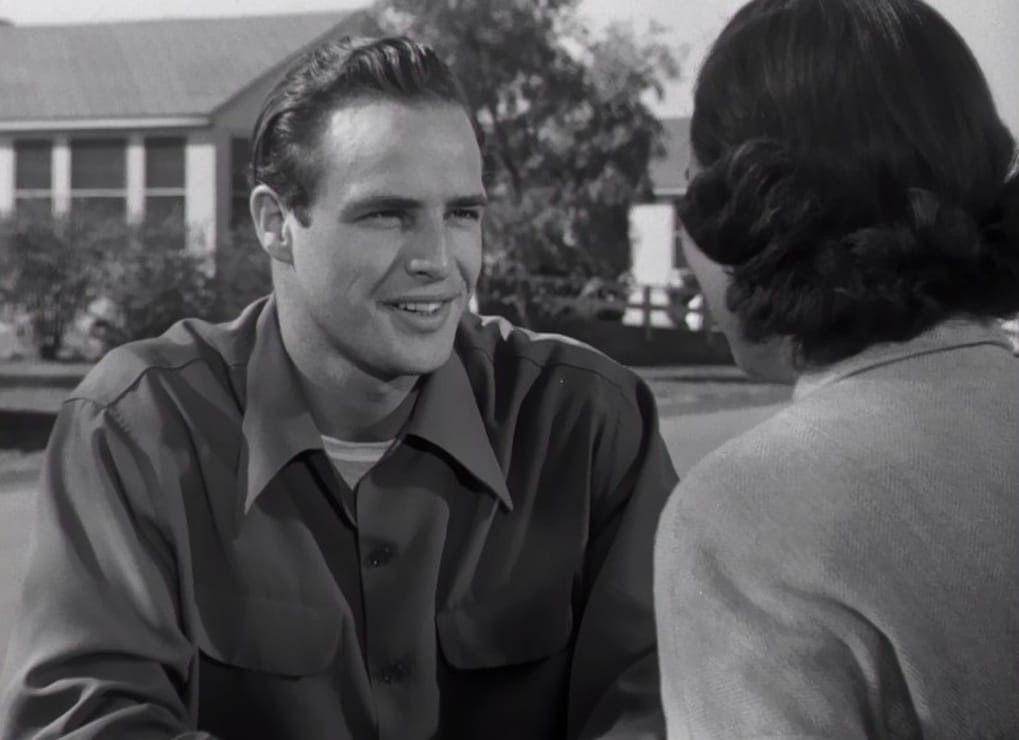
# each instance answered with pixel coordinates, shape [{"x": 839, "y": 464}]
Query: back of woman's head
[{"x": 855, "y": 175}]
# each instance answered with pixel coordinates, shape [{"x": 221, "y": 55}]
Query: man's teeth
[{"x": 420, "y": 307}]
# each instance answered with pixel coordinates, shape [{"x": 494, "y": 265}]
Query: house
[{"x": 142, "y": 118}]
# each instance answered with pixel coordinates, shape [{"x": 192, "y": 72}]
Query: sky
[{"x": 991, "y": 27}]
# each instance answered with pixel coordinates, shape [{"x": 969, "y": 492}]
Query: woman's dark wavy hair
[
  {"x": 285, "y": 153},
  {"x": 856, "y": 178}
]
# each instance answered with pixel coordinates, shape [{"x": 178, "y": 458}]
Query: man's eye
[
  {"x": 384, "y": 217},
  {"x": 466, "y": 214}
]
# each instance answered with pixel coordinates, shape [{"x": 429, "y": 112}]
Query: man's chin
[{"x": 417, "y": 361}]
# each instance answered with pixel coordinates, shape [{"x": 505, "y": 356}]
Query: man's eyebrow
[
  {"x": 468, "y": 201},
  {"x": 382, "y": 203}
]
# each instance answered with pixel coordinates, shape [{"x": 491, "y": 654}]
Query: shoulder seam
[
  {"x": 77, "y": 396},
  {"x": 560, "y": 363}
]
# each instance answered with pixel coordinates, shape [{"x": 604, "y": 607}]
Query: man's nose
[{"x": 429, "y": 254}]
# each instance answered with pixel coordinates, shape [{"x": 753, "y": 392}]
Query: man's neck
[{"x": 345, "y": 401}]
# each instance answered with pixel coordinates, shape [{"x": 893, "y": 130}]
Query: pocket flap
[
  {"x": 271, "y": 636},
  {"x": 502, "y": 631}
]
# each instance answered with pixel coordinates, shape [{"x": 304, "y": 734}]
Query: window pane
[
  {"x": 98, "y": 209},
  {"x": 34, "y": 208},
  {"x": 239, "y": 162},
  {"x": 98, "y": 163},
  {"x": 164, "y": 163},
  {"x": 165, "y": 210},
  {"x": 32, "y": 165}
]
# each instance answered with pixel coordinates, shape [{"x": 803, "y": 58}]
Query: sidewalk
[
  {"x": 42, "y": 386},
  {"x": 68, "y": 374},
  {"x": 39, "y": 374},
  {"x": 695, "y": 374}
]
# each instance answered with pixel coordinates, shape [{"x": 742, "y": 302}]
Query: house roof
[
  {"x": 668, "y": 171},
  {"x": 138, "y": 69}
]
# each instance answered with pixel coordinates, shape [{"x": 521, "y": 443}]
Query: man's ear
[{"x": 270, "y": 218}]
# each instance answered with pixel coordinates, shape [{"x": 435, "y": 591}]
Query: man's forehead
[
  {"x": 381, "y": 128},
  {"x": 413, "y": 151}
]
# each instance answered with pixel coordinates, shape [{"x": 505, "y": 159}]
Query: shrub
[
  {"x": 154, "y": 277},
  {"x": 86, "y": 285},
  {"x": 49, "y": 270},
  {"x": 242, "y": 273}
]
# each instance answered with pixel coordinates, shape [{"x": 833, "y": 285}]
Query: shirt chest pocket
[
  {"x": 509, "y": 629},
  {"x": 284, "y": 638}
]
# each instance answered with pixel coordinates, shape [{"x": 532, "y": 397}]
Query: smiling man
[{"x": 356, "y": 511}]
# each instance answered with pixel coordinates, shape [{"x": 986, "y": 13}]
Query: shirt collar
[
  {"x": 446, "y": 414},
  {"x": 950, "y": 334},
  {"x": 277, "y": 425}
]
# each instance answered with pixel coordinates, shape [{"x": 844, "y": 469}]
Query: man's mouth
[{"x": 421, "y": 308}]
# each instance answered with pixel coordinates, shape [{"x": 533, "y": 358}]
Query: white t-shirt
[{"x": 353, "y": 460}]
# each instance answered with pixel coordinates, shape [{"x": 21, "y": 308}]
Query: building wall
[
  {"x": 652, "y": 230},
  {"x": 237, "y": 116},
  {"x": 234, "y": 122},
  {"x": 203, "y": 173},
  {"x": 6, "y": 174}
]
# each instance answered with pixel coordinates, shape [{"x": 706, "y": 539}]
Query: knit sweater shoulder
[{"x": 848, "y": 568}]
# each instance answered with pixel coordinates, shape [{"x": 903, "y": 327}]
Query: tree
[{"x": 569, "y": 138}]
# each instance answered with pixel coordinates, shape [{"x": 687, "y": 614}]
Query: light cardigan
[{"x": 850, "y": 567}]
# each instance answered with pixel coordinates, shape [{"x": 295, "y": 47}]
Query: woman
[{"x": 850, "y": 568}]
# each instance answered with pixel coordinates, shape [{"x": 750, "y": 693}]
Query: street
[{"x": 688, "y": 436}]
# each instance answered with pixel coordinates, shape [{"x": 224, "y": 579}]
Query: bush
[
  {"x": 49, "y": 270},
  {"x": 540, "y": 301},
  {"x": 154, "y": 276},
  {"x": 88, "y": 285},
  {"x": 242, "y": 273}
]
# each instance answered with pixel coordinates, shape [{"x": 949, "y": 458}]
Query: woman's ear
[{"x": 270, "y": 218}]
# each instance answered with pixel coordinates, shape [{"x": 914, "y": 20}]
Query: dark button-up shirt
[{"x": 198, "y": 567}]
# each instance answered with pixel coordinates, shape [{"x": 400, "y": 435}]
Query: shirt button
[
  {"x": 381, "y": 556},
  {"x": 394, "y": 673}
]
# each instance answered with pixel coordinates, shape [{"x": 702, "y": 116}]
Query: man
[{"x": 353, "y": 512}]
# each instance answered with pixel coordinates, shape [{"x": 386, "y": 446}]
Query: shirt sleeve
[
  {"x": 614, "y": 686},
  {"x": 758, "y": 635},
  {"x": 97, "y": 649}
]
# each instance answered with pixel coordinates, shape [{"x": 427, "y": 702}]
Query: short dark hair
[
  {"x": 857, "y": 180},
  {"x": 337, "y": 71}
]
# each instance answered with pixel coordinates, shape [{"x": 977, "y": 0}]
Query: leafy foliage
[
  {"x": 242, "y": 273},
  {"x": 118, "y": 282},
  {"x": 49, "y": 270}
]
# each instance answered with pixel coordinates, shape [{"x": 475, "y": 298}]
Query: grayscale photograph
[{"x": 509, "y": 369}]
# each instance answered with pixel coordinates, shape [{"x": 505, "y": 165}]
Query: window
[
  {"x": 165, "y": 181},
  {"x": 98, "y": 179},
  {"x": 33, "y": 177},
  {"x": 239, "y": 190}
]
